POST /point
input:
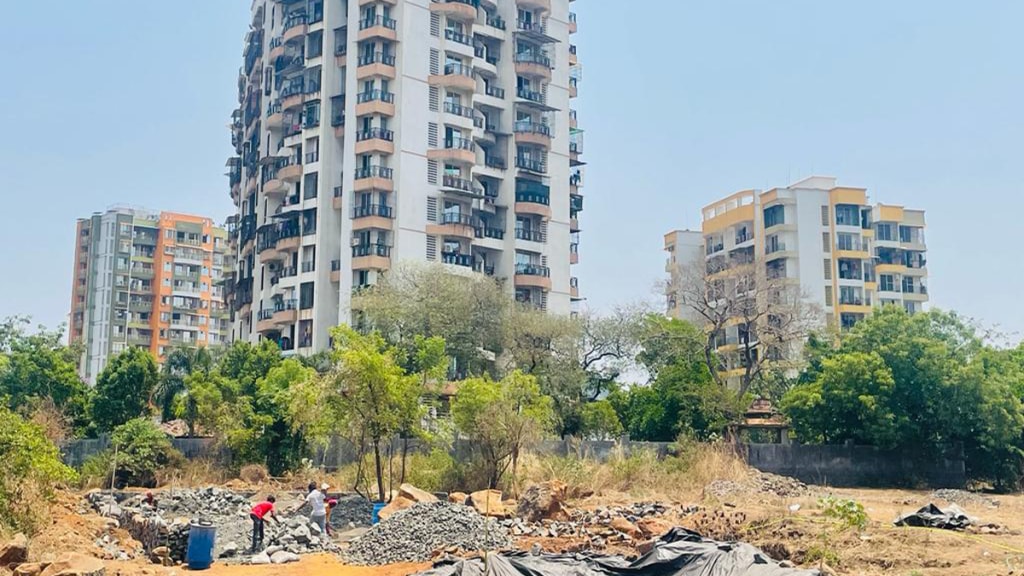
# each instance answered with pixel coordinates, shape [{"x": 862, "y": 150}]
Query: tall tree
[
  {"x": 179, "y": 365},
  {"x": 124, "y": 389}
]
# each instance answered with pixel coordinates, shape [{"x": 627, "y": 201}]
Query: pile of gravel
[
  {"x": 416, "y": 533},
  {"x": 758, "y": 483},
  {"x": 964, "y": 498}
]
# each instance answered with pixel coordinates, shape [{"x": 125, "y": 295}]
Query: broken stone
[
  {"x": 415, "y": 494},
  {"x": 458, "y": 497},
  {"x": 626, "y": 527},
  {"x": 398, "y": 503},
  {"x": 75, "y": 565},
  {"x": 488, "y": 502},
  {"x": 260, "y": 558},
  {"x": 230, "y": 549},
  {"x": 284, "y": 557},
  {"x": 652, "y": 527},
  {"x": 543, "y": 501},
  {"x": 14, "y": 552},
  {"x": 31, "y": 569}
]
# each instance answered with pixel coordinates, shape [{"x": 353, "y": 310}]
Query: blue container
[
  {"x": 377, "y": 507},
  {"x": 201, "y": 537}
]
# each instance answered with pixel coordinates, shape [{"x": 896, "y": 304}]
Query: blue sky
[{"x": 922, "y": 102}]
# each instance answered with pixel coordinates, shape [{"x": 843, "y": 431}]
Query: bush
[
  {"x": 254, "y": 473},
  {"x": 140, "y": 449},
  {"x": 30, "y": 471},
  {"x": 850, "y": 513}
]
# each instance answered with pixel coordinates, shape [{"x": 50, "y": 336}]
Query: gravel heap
[
  {"x": 352, "y": 511},
  {"x": 964, "y": 498},
  {"x": 416, "y": 533},
  {"x": 758, "y": 483},
  {"x": 602, "y": 526},
  {"x": 168, "y": 524}
]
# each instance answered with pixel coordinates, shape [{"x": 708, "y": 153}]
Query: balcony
[
  {"x": 378, "y": 27},
  {"x": 459, "y": 110},
  {"x": 276, "y": 48},
  {"x": 336, "y": 271},
  {"x": 573, "y": 28},
  {"x": 533, "y": 203},
  {"x": 458, "y": 37},
  {"x": 542, "y": 5},
  {"x": 372, "y": 216},
  {"x": 455, "y": 150},
  {"x": 295, "y": 26},
  {"x": 533, "y": 276},
  {"x": 456, "y": 76},
  {"x": 489, "y": 232},
  {"x": 292, "y": 95},
  {"x": 574, "y": 253},
  {"x": 371, "y": 257},
  {"x": 535, "y": 133},
  {"x": 375, "y": 140},
  {"x": 460, "y": 185},
  {"x": 292, "y": 172},
  {"x": 454, "y": 224},
  {"x": 530, "y": 235},
  {"x": 341, "y": 47},
  {"x": 375, "y": 102},
  {"x": 376, "y": 64},
  {"x": 338, "y": 200},
  {"x": 531, "y": 164},
  {"x": 534, "y": 31},
  {"x": 456, "y": 259},
  {"x": 496, "y": 162},
  {"x": 534, "y": 65},
  {"x": 462, "y": 10},
  {"x": 574, "y": 288},
  {"x": 285, "y": 312},
  {"x": 374, "y": 178}
]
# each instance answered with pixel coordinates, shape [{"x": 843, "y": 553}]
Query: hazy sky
[{"x": 921, "y": 102}]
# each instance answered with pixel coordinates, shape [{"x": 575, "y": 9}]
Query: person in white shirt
[{"x": 317, "y": 501}]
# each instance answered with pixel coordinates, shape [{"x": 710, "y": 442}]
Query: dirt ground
[{"x": 792, "y": 529}]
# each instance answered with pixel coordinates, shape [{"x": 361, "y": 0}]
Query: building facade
[
  {"x": 146, "y": 279},
  {"x": 372, "y": 132},
  {"x": 846, "y": 255}
]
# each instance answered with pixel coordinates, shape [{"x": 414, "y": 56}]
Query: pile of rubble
[
  {"x": 604, "y": 526},
  {"x": 424, "y": 530},
  {"x": 163, "y": 528},
  {"x": 964, "y": 498},
  {"x": 758, "y": 483}
]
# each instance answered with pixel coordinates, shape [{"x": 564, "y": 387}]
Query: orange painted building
[{"x": 148, "y": 280}]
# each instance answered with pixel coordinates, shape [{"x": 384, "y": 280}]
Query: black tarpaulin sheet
[
  {"x": 931, "y": 516},
  {"x": 677, "y": 553}
]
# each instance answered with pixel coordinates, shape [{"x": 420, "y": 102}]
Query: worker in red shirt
[{"x": 259, "y": 515}]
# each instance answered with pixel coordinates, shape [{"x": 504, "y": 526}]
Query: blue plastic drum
[
  {"x": 377, "y": 507},
  {"x": 201, "y": 538}
]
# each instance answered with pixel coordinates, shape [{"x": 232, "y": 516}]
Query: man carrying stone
[{"x": 259, "y": 515}]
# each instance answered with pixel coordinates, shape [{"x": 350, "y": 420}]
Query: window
[
  {"x": 886, "y": 282},
  {"x": 847, "y": 215},
  {"x": 847, "y": 241},
  {"x": 126, "y": 229},
  {"x": 908, "y": 284},
  {"x": 774, "y": 216},
  {"x": 884, "y": 232}
]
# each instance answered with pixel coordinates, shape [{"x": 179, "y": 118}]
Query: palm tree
[{"x": 178, "y": 366}]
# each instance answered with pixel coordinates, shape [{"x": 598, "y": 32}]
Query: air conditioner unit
[{"x": 356, "y": 242}]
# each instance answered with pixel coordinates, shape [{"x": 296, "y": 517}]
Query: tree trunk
[
  {"x": 379, "y": 469},
  {"x": 405, "y": 453}
]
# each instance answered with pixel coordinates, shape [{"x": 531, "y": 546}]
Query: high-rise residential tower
[
  {"x": 372, "y": 132},
  {"x": 845, "y": 255},
  {"x": 146, "y": 279}
]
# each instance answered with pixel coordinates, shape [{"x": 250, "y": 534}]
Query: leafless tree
[{"x": 770, "y": 312}]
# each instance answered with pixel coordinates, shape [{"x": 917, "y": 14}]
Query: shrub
[
  {"x": 30, "y": 471},
  {"x": 139, "y": 450},
  {"x": 254, "y": 473},
  {"x": 848, "y": 512}
]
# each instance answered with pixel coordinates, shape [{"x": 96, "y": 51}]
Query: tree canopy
[{"x": 124, "y": 389}]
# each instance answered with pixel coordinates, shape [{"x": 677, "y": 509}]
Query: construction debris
[
  {"x": 488, "y": 503},
  {"x": 423, "y": 530},
  {"x": 545, "y": 501},
  {"x": 931, "y": 516},
  {"x": 604, "y": 526},
  {"x": 964, "y": 498},
  {"x": 758, "y": 483}
]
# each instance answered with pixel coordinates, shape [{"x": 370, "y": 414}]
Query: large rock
[
  {"x": 75, "y": 565},
  {"x": 625, "y": 526},
  {"x": 260, "y": 558},
  {"x": 488, "y": 502},
  {"x": 458, "y": 497},
  {"x": 415, "y": 494},
  {"x": 543, "y": 501},
  {"x": 14, "y": 552},
  {"x": 653, "y": 527},
  {"x": 30, "y": 569},
  {"x": 398, "y": 503},
  {"x": 284, "y": 557}
]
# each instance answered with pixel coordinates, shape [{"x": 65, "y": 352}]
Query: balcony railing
[
  {"x": 496, "y": 22},
  {"x": 456, "y": 36},
  {"x": 458, "y": 109},
  {"x": 457, "y": 259},
  {"x": 495, "y": 162},
  {"x": 458, "y": 69},
  {"x": 530, "y": 235},
  {"x": 533, "y": 198},
  {"x": 294, "y": 19},
  {"x": 532, "y": 270},
  {"x": 533, "y": 58},
  {"x": 776, "y": 247},
  {"x": 389, "y": 23},
  {"x": 529, "y": 127},
  {"x": 335, "y": 265},
  {"x": 458, "y": 183},
  {"x": 488, "y": 232},
  {"x": 371, "y": 250},
  {"x": 375, "y": 134},
  {"x": 457, "y": 218},
  {"x": 375, "y": 95},
  {"x": 372, "y": 210},
  {"x": 535, "y": 27},
  {"x": 458, "y": 143},
  {"x": 531, "y": 164},
  {"x": 494, "y": 92},
  {"x": 309, "y": 266},
  {"x": 376, "y": 57},
  {"x": 531, "y": 95},
  {"x": 374, "y": 172}
]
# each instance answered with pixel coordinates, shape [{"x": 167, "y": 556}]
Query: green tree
[
  {"x": 124, "y": 389},
  {"x": 600, "y": 421},
  {"x": 502, "y": 419},
  {"x": 179, "y": 365},
  {"x": 31, "y": 466},
  {"x": 37, "y": 368},
  {"x": 140, "y": 448},
  {"x": 283, "y": 438}
]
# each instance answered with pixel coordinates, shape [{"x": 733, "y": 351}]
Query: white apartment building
[{"x": 372, "y": 132}]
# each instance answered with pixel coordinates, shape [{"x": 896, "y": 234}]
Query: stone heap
[
  {"x": 424, "y": 530},
  {"x": 602, "y": 526},
  {"x": 758, "y": 483},
  {"x": 165, "y": 528}
]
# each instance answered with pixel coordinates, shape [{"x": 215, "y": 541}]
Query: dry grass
[
  {"x": 641, "y": 474},
  {"x": 193, "y": 473}
]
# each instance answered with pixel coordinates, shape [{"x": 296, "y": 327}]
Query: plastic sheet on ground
[
  {"x": 680, "y": 552},
  {"x": 931, "y": 516}
]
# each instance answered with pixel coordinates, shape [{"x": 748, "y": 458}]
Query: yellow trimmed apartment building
[{"x": 847, "y": 255}]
